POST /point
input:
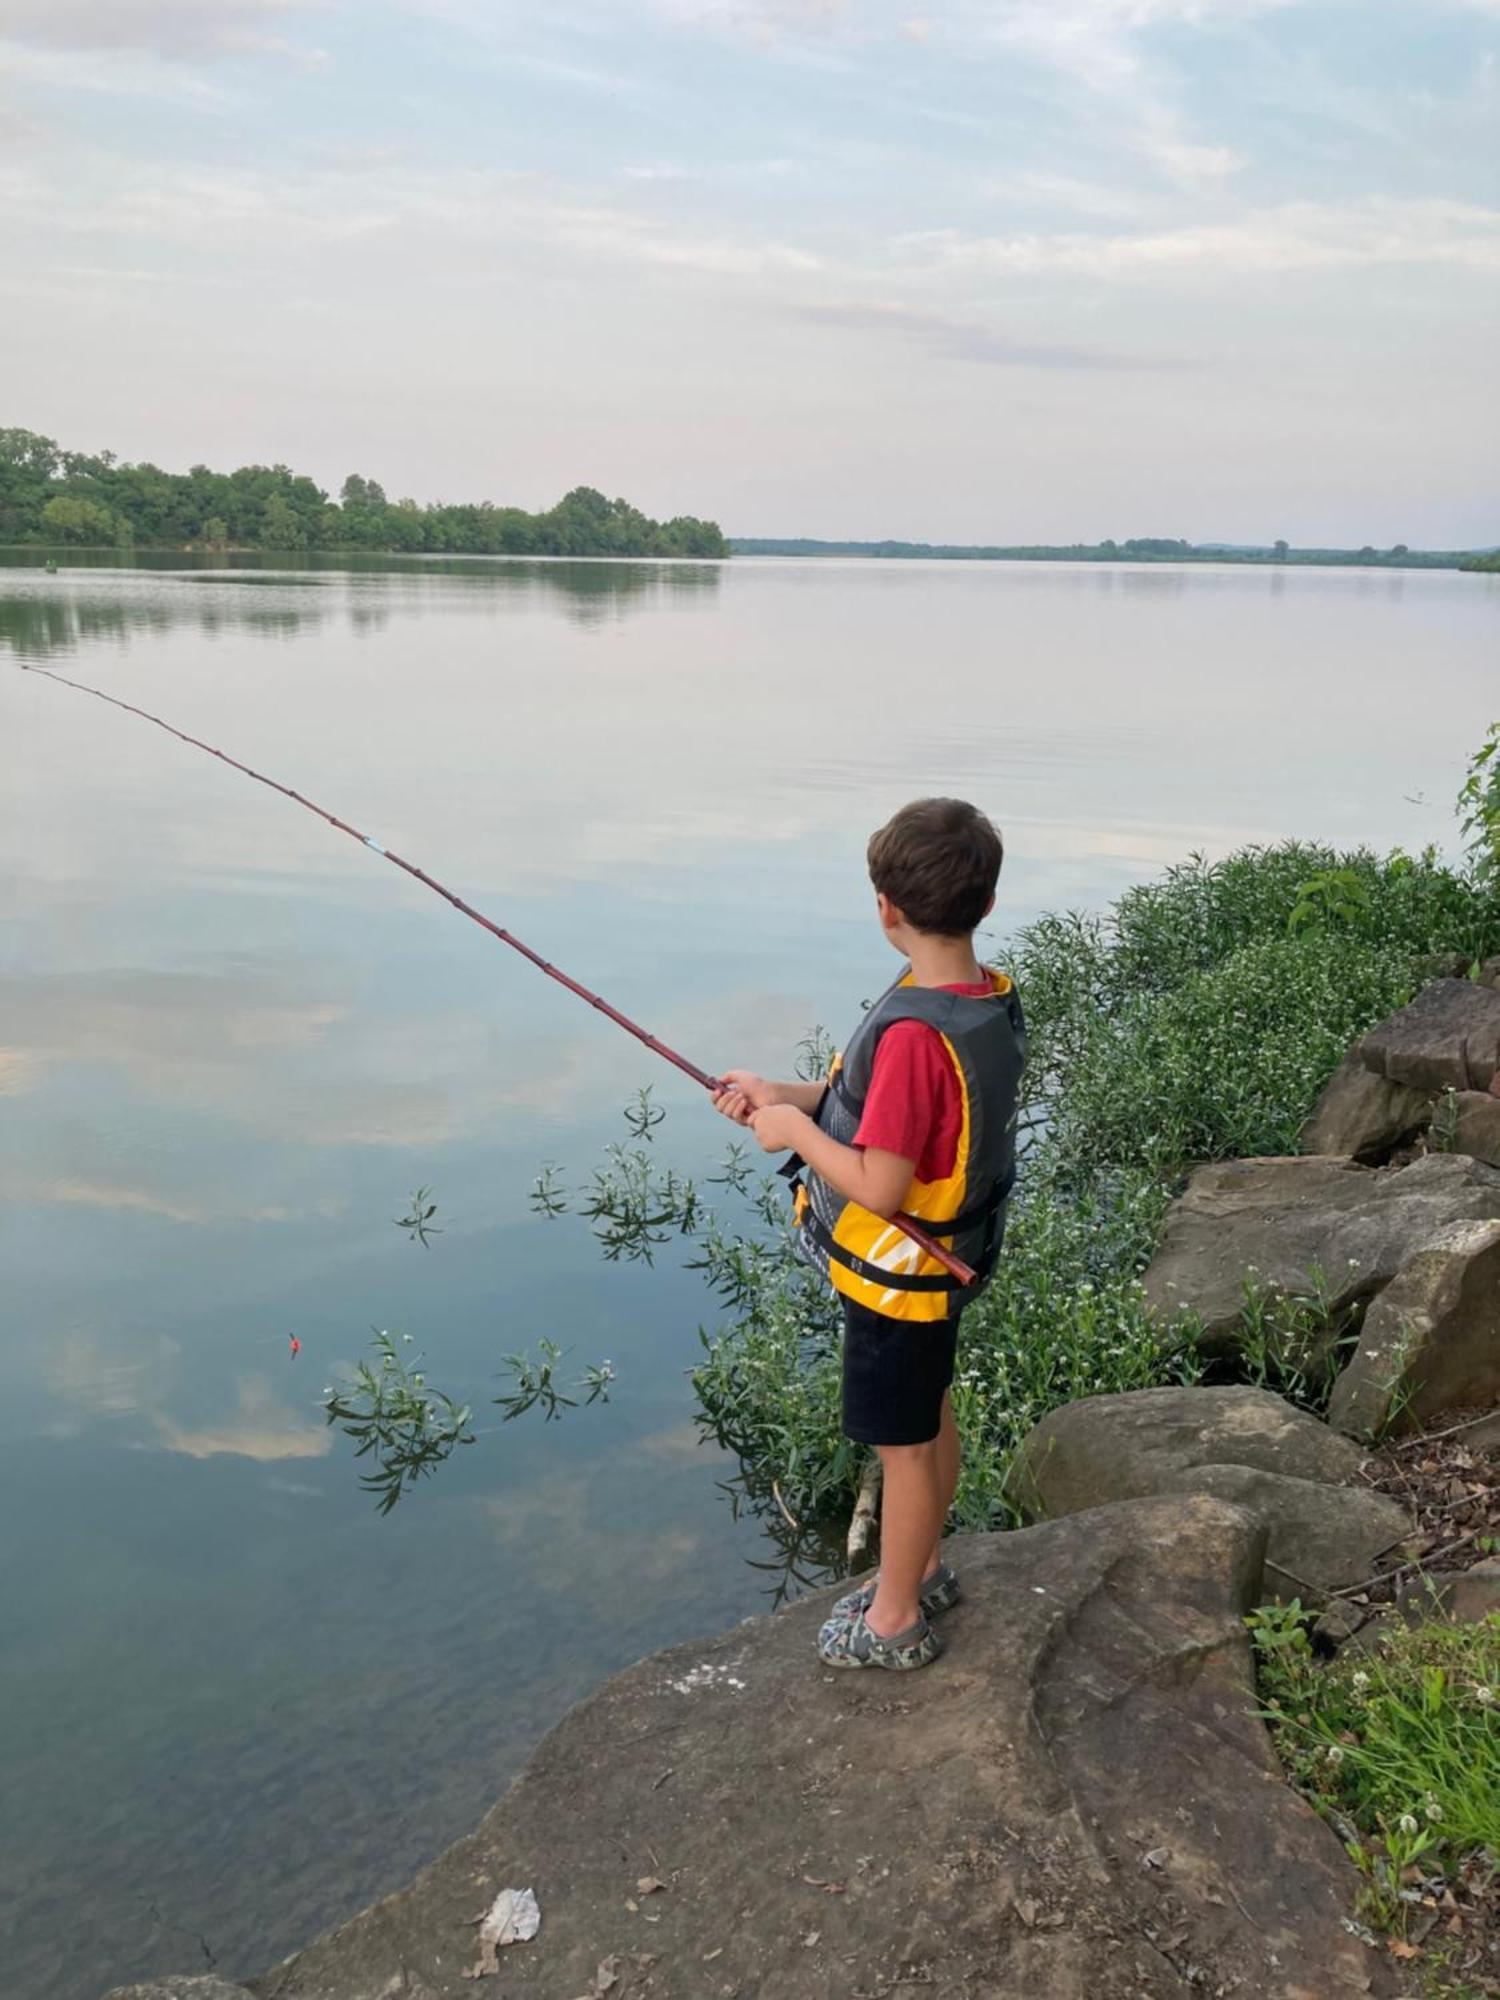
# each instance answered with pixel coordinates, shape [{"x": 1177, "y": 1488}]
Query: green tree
[
  {"x": 280, "y": 526},
  {"x": 68, "y": 517},
  {"x": 1282, "y": 551}
]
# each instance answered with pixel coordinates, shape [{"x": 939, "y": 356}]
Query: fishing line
[{"x": 906, "y": 1224}]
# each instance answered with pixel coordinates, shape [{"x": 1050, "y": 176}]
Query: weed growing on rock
[{"x": 1398, "y": 1747}]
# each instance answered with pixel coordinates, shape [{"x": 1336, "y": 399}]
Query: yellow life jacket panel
[{"x": 864, "y": 1256}]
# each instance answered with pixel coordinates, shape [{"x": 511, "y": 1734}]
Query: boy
[{"x": 918, "y": 1115}]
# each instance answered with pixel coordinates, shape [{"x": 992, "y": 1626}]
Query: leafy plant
[
  {"x": 396, "y": 1419},
  {"x": 418, "y": 1219},
  {"x": 1332, "y": 897},
  {"x": 1479, "y": 808},
  {"x": 1397, "y": 1746},
  {"x": 537, "y": 1386}
]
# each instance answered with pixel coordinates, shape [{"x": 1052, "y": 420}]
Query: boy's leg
[
  {"x": 912, "y": 1511},
  {"x": 948, "y": 1452}
]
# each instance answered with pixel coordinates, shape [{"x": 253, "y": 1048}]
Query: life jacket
[{"x": 864, "y": 1256}]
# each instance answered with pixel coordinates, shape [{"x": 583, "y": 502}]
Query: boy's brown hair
[{"x": 938, "y": 860}]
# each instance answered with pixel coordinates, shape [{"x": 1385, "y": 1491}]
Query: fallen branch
[
  {"x": 1409, "y": 1568},
  {"x": 866, "y": 1507}
]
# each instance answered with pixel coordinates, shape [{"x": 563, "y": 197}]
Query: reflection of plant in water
[
  {"x": 418, "y": 1220},
  {"x": 641, "y": 1115},
  {"x": 814, "y": 1054},
  {"x": 389, "y": 1410},
  {"x": 805, "y": 1555},
  {"x": 632, "y": 1205},
  {"x": 536, "y": 1383}
]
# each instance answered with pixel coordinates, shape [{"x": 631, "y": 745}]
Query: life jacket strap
[{"x": 988, "y": 1212}]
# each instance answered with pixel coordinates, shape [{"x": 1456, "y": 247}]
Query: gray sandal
[
  {"x": 940, "y": 1592},
  {"x": 850, "y": 1642}
]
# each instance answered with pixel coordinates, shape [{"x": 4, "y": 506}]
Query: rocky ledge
[{"x": 1078, "y": 1802}]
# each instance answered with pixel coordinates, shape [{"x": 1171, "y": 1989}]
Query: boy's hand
[
  {"x": 744, "y": 1093},
  {"x": 779, "y": 1127}
]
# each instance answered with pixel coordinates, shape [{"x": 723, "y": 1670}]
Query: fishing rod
[{"x": 907, "y": 1224}]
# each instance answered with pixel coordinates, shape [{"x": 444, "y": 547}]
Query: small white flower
[
  {"x": 1335, "y": 1754},
  {"x": 1360, "y": 1681},
  {"x": 1407, "y": 1823},
  {"x": 1434, "y": 1810},
  {"x": 1484, "y": 1694}
]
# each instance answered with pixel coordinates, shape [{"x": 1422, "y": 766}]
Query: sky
[{"x": 989, "y": 270}]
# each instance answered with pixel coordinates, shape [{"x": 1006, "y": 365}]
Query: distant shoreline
[{"x": 1279, "y": 557}]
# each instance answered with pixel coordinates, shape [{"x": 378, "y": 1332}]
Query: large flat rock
[
  {"x": 1431, "y": 1341},
  {"x": 1308, "y": 1228},
  {"x": 1078, "y": 1802},
  {"x": 1447, "y": 1039},
  {"x": 1246, "y": 1446}
]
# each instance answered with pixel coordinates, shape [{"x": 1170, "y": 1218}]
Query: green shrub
[
  {"x": 1198, "y": 1019},
  {"x": 1398, "y": 1746}
]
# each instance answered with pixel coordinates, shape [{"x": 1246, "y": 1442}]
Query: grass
[{"x": 1399, "y": 1748}]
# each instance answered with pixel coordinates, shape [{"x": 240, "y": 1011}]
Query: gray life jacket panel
[{"x": 866, "y": 1257}]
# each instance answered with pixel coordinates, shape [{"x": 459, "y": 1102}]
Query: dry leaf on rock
[
  {"x": 513, "y": 1918},
  {"x": 648, "y": 1885}
]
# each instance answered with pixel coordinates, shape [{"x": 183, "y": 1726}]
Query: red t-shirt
[{"x": 914, "y": 1108}]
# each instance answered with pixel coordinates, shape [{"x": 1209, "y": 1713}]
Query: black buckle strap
[{"x": 876, "y": 1274}]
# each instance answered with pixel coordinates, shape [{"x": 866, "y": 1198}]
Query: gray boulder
[
  {"x": 1431, "y": 1341},
  {"x": 1307, "y": 1228},
  {"x": 1476, "y": 1129},
  {"x": 1078, "y": 1802},
  {"x": 1362, "y": 1116},
  {"x": 1242, "y": 1445},
  {"x": 1447, "y": 1039},
  {"x": 1464, "y": 1597}
]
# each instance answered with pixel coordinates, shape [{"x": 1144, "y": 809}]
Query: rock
[
  {"x": 1339, "y": 1621},
  {"x": 1445, "y": 965},
  {"x": 1476, "y": 1129},
  {"x": 1464, "y": 1597},
  {"x": 1078, "y": 1802},
  {"x": 1489, "y": 972},
  {"x": 1431, "y": 1341},
  {"x": 1447, "y": 1039},
  {"x": 1289, "y": 1219},
  {"x": 1241, "y": 1445},
  {"x": 178, "y": 1986},
  {"x": 1363, "y": 1116}
]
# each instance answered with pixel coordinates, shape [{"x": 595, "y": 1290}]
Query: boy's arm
[{"x": 877, "y": 1180}]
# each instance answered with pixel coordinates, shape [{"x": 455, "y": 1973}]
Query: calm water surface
[{"x": 234, "y": 1703}]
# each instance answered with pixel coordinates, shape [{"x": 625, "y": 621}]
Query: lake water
[{"x": 235, "y": 1703}]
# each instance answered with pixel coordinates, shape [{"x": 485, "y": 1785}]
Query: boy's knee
[{"x": 908, "y": 1454}]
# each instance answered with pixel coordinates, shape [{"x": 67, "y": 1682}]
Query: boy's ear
[
  {"x": 989, "y": 906},
  {"x": 890, "y": 916}
]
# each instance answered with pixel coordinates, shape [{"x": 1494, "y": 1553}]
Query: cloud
[
  {"x": 261, "y": 1428},
  {"x": 172, "y": 29},
  {"x": 962, "y": 340},
  {"x": 1294, "y": 236}
]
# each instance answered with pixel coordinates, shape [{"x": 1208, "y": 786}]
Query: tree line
[
  {"x": 1139, "y": 549},
  {"x": 52, "y": 496}
]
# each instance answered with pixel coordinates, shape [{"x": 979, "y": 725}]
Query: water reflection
[{"x": 41, "y": 618}]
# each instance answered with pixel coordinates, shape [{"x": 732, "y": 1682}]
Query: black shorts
[{"x": 896, "y": 1372}]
